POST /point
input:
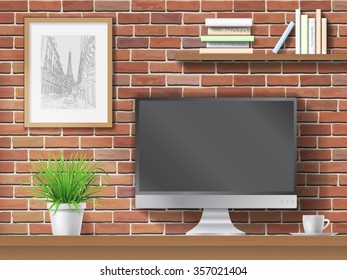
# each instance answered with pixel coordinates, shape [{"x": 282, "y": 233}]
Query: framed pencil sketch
[{"x": 68, "y": 72}]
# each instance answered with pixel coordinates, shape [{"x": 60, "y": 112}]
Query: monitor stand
[{"x": 215, "y": 222}]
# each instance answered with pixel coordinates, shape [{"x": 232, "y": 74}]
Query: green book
[
  {"x": 227, "y": 38},
  {"x": 304, "y": 34}
]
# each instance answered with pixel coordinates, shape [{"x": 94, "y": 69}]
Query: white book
[
  {"x": 324, "y": 35},
  {"x": 304, "y": 34},
  {"x": 311, "y": 35},
  {"x": 229, "y": 31},
  {"x": 227, "y": 44},
  {"x": 225, "y": 51},
  {"x": 283, "y": 37},
  {"x": 318, "y": 31},
  {"x": 228, "y": 22},
  {"x": 297, "y": 31}
]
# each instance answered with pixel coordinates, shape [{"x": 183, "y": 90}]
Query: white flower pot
[{"x": 66, "y": 221}]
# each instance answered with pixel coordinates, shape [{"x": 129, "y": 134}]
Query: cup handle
[{"x": 328, "y": 223}]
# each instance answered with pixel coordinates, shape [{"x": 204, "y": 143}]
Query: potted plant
[{"x": 66, "y": 185}]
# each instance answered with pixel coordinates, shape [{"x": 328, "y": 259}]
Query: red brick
[
  {"x": 198, "y": 92},
  {"x": 5, "y": 42},
  {"x": 277, "y": 30},
  {"x": 79, "y": 5},
  {"x": 126, "y": 191},
  {"x": 282, "y": 228},
  {"x": 13, "y": 229},
  {"x": 307, "y": 117},
  {"x": 333, "y": 167},
  {"x": 307, "y": 167},
  {"x": 182, "y": 80},
  {"x": 321, "y": 105},
  {"x": 184, "y": 31},
  {"x": 45, "y": 131},
  {"x": 322, "y": 180},
  {"x": 133, "y": 18},
  {"x": 77, "y": 131},
  {"x": 268, "y": 18},
  {"x": 339, "y": 204},
  {"x": 306, "y": 142},
  {"x": 121, "y": 55},
  {"x": 315, "y": 130},
  {"x": 125, "y": 117},
  {"x": 111, "y": 5},
  {"x": 125, "y": 43},
  {"x": 232, "y": 67},
  {"x": 6, "y": 117},
  {"x": 234, "y": 92},
  {"x": 240, "y": 5},
  {"x": 13, "y": 5},
  {"x": 258, "y": 217},
  {"x": 303, "y": 67},
  {"x": 112, "y": 229},
  {"x": 339, "y": 42},
  {"x": 174, "y": 229},
  {"x": 260, "y": 30},
  {"x": 148, "y": 55},
  {"x": 253, "y": 229},
  {"x": 113, "y": 204},
  {"x": 167, "y": 43},
  {"x": 7, "y": 80},
  {"x": 27, "y": 217},
  {"x": 263, "y": 42},
  {"x": 66, "y": 142},
  {"x": 130, "y": 67},
  {"x": 45, "y": 6},
  {"x": 121, "y": 80},
  {"x": 19, "y": 42},
  {"x": 305, "y": 191},
  {"x": 343, "y": 105},
  {"x": 332, "y": 67},
  {"x": 121, "y": 30},
  {"x": 332, "y": 142},
  {"x": 268, "y": 92},
  {"x": 5, "y": 217},
  {"x": 324, "y": 5},
  {"x": 328, "y": 117},
  {"x": 336, "y": 92},
  {"x": 217, "y": 80},
  {"x": 278, "y": 5},
  {"x": 126, "y": 167},
  {"x": 5, "y": 68},
  {"x": 191, "y": 67},
  {"x": 302, "y": 92},
  {"x": 343, "y": 178},
  {"x": 27, "y": 142},
  {"x": 166, "y": 92},
  {"x": 14, "y": 204},
  {"x": 133, "y": 92},
  {"x": 151, "y": 5},
  {"x": 147, "y": 228},
  {"x": 178, "y": 5},
  {"x": 7, "y": 129},
  {"x": 339, "y": 80},
  {"x": 148, "y": 30},
  {"x": 339, "y": 129},
  {"x": 131, "y": 217},
  {"x": 263, "y": 67},
  {"x": 315, "y": 155},
  {"x": 7, "y": 17},
  {"x": 124, "y": 142},
  {"x": 315, "y": 204},
  {"x": 208, "y": 6},
  {"x": 152, "y": 80},
  {"x": 193, "y": 43},
  {"x": 96, "y": 142},
  {"x": 193, "y": 18},
  {"x": 315, "y": 80},
  {"x": 167, "y": 18},
  {"x": 165, "y": 67},
  {"x": 6, "y": 167},
  {"x": 97, "y": 217},
  {"x": 279, "y": 80},
  {"x": 120, "y": 154},
  {"x": 246, "y": 80},
  {"x": 5, "y": 142},
  {"x": 122, "y": 180}
]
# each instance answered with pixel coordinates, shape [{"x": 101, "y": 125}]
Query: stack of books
[
  {"x": 227, "y": 35},
  {"x": 310, "y": 33}
]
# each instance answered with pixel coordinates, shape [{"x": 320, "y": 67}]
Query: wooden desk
[{"x": 173, "y": 247}]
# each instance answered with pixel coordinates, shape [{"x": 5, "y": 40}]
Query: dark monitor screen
[{"x": 234, "y": 146}]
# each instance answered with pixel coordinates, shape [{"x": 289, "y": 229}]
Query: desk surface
[{"x": 173, "y": 247}]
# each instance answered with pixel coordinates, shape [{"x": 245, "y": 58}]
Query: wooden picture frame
[{"x": 68, "y": 72}]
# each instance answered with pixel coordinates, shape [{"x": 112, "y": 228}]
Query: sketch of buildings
[{"x": 59, "y": 89}]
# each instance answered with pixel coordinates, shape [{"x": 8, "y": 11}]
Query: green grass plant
[{"x": 67, "y": 181}]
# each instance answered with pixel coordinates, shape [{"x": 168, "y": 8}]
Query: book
[
  {"x": 226, "y": 51},
  {"x": 228, "y": 22},
  {"x": 318, "y": 31},
  {"x": 229, "y": 31},
  {"x": 311, "y": 35},
  {"x": 304, "y": 34},
  {"x": 297, "y": 31},
  {"x": 283, "y": 37},
  {"x": 324, "y": 35},
  {"x": 208, "y": 38},
  {"x": 227, "y": 44}
]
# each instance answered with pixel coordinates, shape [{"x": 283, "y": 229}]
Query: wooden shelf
[
  {"x": 173, "y": 247},
  {"x": 261, "y": 57}
]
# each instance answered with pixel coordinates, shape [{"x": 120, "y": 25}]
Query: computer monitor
[{"x": 216, "y": 154}]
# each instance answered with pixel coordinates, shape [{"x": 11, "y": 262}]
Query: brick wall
[{"x": 147, "y": 35}]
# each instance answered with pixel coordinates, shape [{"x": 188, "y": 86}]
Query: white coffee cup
[{"x": 314, "y": 223}]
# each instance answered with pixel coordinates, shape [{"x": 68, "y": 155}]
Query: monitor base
[{"x": 215, "y": 222}]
